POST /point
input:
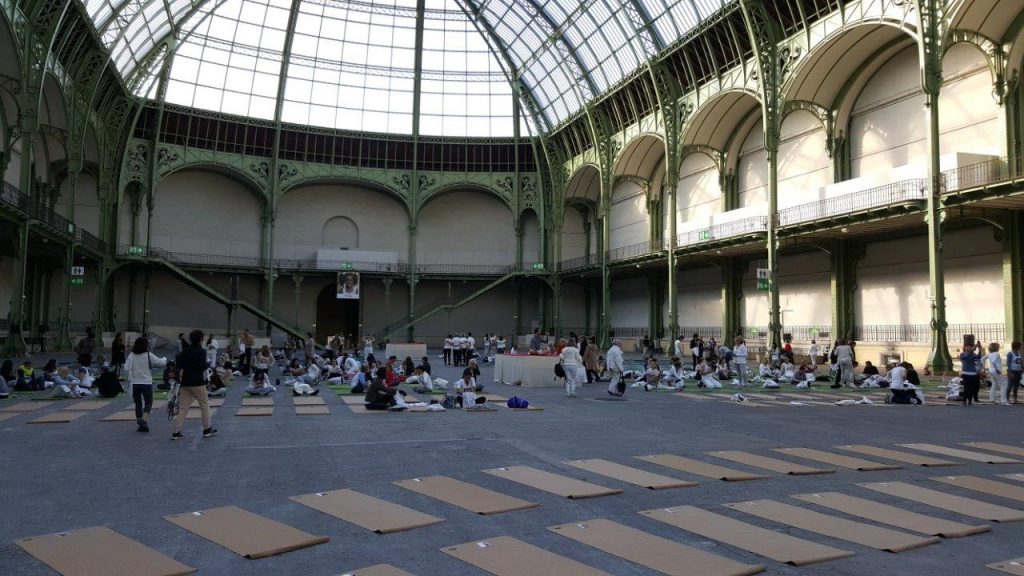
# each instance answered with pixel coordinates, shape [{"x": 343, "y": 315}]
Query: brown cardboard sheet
[
  {"x": 195, "y": 413},
  {"x": 465, "y": 495},
  {"x": 963, "y": 454},
  {"x": 768, "y": 543},
  {"x": 997, "y": 447},
  {"x": 985, "y": 486},
  {"x": 244, "y": 533},
  {"x": 833, "y": 526},
  {"x": 24, "y": 407},
  {"x": 947, "y": 501},
  {"x": 8, "y": 415},
  {"x": 701, "y": 468},
  {"x": 654, "y": 552},
  {"x": 838, "y": 459},
  {"x": 358, "y": 399},
  {"x": 374, "y": 514},
  {"x": 120, "y": 416},
  {"x": 100, "y": 551},
  {"x": 892, "y": 515},
  {"x": 507, "y": 556},
  {"x": 255, "y": 411},
  {"x": 1015, "y": 566},
  {"x": 211, "y": 402},
  {"x": 88, "y": 405},
  {"x": 361, "y": 409},
  {"x": 554, "y": 483},
  {"x": 261, "y": 401},
  {"x": 61, "y": 417},
  {"x": 377, "y": 570},
  {"x": 898, "y": 456},
  {"x": 631, "y": 475},
  {"x": 307, "y": 400},
  {"x": 312, "y": 410},
  {"x": 773, "y": 464}
]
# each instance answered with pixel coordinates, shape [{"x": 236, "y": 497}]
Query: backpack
[
  {"x": 559, "y": 370},
  {"x": 519, "y": 403}
]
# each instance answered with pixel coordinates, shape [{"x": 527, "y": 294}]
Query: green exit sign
[
  {"x": 346, "y": 265},
  {"x": 136, "y": 250},
  {"x": 704, "y": 235},
  {"x": 762, "y": 285},
  {"x": 78, "y": 281},
  {"x": 538, "y": 265}
]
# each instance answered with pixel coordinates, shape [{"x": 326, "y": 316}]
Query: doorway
[{"x": 334, "y": 316}]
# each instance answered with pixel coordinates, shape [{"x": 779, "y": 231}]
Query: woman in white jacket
[
  {"x": 139, "y": 366},
  {"x": 997, "y": 375},
  {"x": 739, "y": 358},
  {"x": 571, "y": 362},
  {"x": 613, "y": 361}
]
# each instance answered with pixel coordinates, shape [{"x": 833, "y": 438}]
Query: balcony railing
[
  {"x": 981, "y": 174},
  {"x": 923, "y": 333},
  {"x": 633, "y": 250},
  {"x": 897, "y": 193},
  {"x": 578, "y": 262},
  {"x": 724, "y": 231},
  {"x": 89, "y": 239}
]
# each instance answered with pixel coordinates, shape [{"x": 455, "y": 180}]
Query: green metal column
[
  {"x": 672, "y": 282},
  {"x": 774, "y": 318},
  {"x": 843, "y": 259},
  {"x": 732, "y": 295},
  {"x": 1014, "y": 126},
  {"x": 146, "y": 277},
  {"x": 605, "y": 321},
  {"x": 64, "y": 313},
  {"x": 586, "y": 235},
  {"x": 297, "y": 279},
  {"x": 1013, "y": 283}
]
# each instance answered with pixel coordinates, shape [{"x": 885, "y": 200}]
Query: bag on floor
[{"x": 518, "y": 403}]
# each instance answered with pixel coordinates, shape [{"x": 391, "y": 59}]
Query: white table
[{"x": 525, "y": 370}]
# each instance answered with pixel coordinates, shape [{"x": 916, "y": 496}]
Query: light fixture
[{"x": 844, "y": 230}]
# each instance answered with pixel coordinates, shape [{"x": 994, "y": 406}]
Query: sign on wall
[
  {"x": 78, "y": 270},
  {"x": 348, "y": 286}
]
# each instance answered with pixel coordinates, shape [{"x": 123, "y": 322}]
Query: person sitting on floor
[
  {"x": 359, "y": 382},
  {"x": 723, "y": 372},
  {"x": 67, "y": 386},
  {"x": 764, "y": 370},
  {"x": 788, "y": 370},
  {"x": 226, "y": 373},
  {"x": 379, "y": 396},
  {"x": 85, "y": 378},
  {"x": 107, "y": 384},
  {"x": 215, "y": 387},
  {"x": 707, "y": 377},
  {"x": 912, "y": 376},
  {"x": 27, "y": 380},
  {"x": 49, "y": 373},
  {"x": 350, "y": 367},
  {"x": 423, "y": 382},
  {"x": 805, "y": 373},
  {"x": 672, "y": 379},
  {"x": 900, "y": 390},
  {"x": 870, "y": 369},
  {"x": 260, "y": 385},
  {"x": 652, "y": 376},
  {"x": 170, "y": 376}
]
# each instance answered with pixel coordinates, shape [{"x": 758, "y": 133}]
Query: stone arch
[
  {"x": 250, "y": 184},
  {"x": 469, "y": 226},
  {"x": 462, "y": 187},
  {"x": 340, "y": 232}
]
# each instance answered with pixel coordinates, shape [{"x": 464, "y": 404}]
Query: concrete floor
[{"x": 87, "y": 473}]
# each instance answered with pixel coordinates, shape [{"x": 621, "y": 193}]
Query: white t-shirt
[
  {"x": 897, "y": 378},
  {"x": 470, "y": 343},
  {"x": 739, "y": 354},
  {"x": 447, "y": 343},
  {"x": 995, "y": 363}
]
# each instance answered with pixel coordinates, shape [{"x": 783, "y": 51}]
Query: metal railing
[
  {"x": 631, "y": 331},
  {"x": 725, "y": 231},
  {"x": 715, "y": 332},
  {"x": 980, "y": 174},
  {"x": 923, "y": 333},
  {"x": 902, "y": 192},
  {"x": 578, "y": 262},
  {"x": 634, "y": 250},
  {"x": 89, "y": 239}
]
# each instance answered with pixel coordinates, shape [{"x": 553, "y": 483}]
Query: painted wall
[
  {"x": 753, "y": 169},
  {"x": 574, "y": 239},
  {"x": 87, "y": 203},
  {"x": 804, "y": 165},
  {"x": 804, "y": 294},
  {"x": 465, "y": 227},
  {"x": 531, "y": 238},
  {"x": 699, "y": 194},
  {"x": 628, "y": 221},
  {"x": 699, "y": 299},
  {"x": 630, "y": 302},
  {"x": 573, "y": 310}
]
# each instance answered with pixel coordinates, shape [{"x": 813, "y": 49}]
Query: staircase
[{"x": 444, "y": 304}]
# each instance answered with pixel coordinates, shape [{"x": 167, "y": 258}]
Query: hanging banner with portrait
[{"x": 348, "y": 285}]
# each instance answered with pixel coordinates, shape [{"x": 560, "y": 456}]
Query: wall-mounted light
[{"x": 844, "y": 230}]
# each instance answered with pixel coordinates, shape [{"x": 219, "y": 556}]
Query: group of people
[{"x": 1003, "y": 373}]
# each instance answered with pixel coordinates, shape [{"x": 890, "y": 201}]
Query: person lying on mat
[
  {"x": 260, "y": 385},
  {"x": 379, "y": 396}
]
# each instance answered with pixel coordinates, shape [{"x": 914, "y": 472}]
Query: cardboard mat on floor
[
  {"x": 88, "y": 405},
  {"x": 768, "y": 543},
  {"x": 196, "y": 413},
  {"x": 374, "y": 514},
  {"x": 358, "y": 399},
  {"x": 773, "y": 464},
  {"x": 947, "y": 501},
  {"x": 465, "y": 495},
  {"x": 631, "y": 475},
  {"x": 963, "y": 454},
  {"x": 307, "y": 400},
  {"x": 100, "y": 551},
  {"x": 378, "y": 570},
  {"x": 507, "y": 556},
  {"x": 898, "y": 456},
  {"x": 255, "y": 411},
  {"x": 211, "y": 402},
  {"x": 312, "y": 410},
  {"x": 23, "y": 407},
  {"x": 652, "y": 551},
  {"x": 832, "y": 526},
  {"x": 361, "y": 409},
  {"x": 985, "y": 486},
  {"x": 553, "y": 483},
  {"x": 892, "y": 515},
  {"x": 701, "y": 468},
  {"x": 9, "y": 415},
  {"x": 838, "y": 459},
  {"x": 997, "y": 447},
  {"x": 244, "y": 533},
  {"x": 257, "y": 401},
  {"x": 1015, "y": 566},
  {"x": 61, "y": 417}
]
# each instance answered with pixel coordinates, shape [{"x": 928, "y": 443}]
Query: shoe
[
  {"x": 141, "y": 425},
  {"x": 177, "y": 436},
  {"x": 315, "y": 392},
  {"x": 294, "y": 393},
  {"x": 277, "y": 382},
  {"x": 211, "y": 431},
  {"x": 144, "y": 427}
]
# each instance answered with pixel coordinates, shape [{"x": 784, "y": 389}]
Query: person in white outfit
[
  {"x": 211, "y": 350},
  {"x": 260, "y": 385},
  {"x": 671, "y": 379},
  {"x": 739, "y": 358},
  {"x": 613, "y": 362},
  {"x": 303, "y": 385},
  {"x": 139, "y": 366},
  {"x": 571, "y": 362},
  {"x": 813, "y": 353},
  {"x": 996, "y": 374},
  {"x": 844, "y": 357}
]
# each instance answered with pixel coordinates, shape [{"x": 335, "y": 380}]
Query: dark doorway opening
[{"x": 335, "y": 317}]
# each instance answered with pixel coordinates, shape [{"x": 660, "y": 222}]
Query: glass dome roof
[{"x": 351, "y": 64}]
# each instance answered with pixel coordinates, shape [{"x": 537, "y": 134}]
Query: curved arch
[
  {"x": 584, "y": 183},
  {"x": 463, "y": 187},
  {"x": 990, "y": 49},
  {"x": 370, "y": 184},
  {"x": 340, "y": 231},
  {"x": 640, "y": 156},
  {"x": 714, "y": 121},
  {"x": 230, "y": 172},
  {"x": 842, "y": 107},
  {"x": 989, "y": 18},
  {"x": 53, "y": 103}
]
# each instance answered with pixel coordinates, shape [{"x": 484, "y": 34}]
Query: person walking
[
  {"x": 969, "y": 364},
  {"x": 309, "y": 347},
  {"x": 85, "y": 347},
  {"x": 739, "y": 358},
  {"x": 844, "y": 357},
  {"x": 139, "y": 366},
  {"x": 117, "y": 352},
  {"x": 590, "y": 362},
  {"x": 1014, "y": 369},
  {"x": 995, "y": 372},
  {"x": 192, "y": 366},
  {"x": 571, "y": 361},
  {"x": 613, "y": 361}
]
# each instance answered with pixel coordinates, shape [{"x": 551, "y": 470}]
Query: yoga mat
[
  {"x": 768, "y": 543},
  {"x": 947, "y": 501},
  {"x": 58, "y": 417},
  {"x": 1015, "y": 566},
  {"x": 88, "y": 405},
  {"x": 156, "y": 404},
  {"x": 965, "y": 454},
  {"x": 1001, "y": 489},
  {"x": 255, "y": 411},
  {"x": 307, "y": 400},
  {"x": 896, "y": 455},
  {"x": 506, "y": 556},
  {"x": 996, "y": 447},
  {"x": 892, "y": 515},
  {"x": 120, "y": 416},
  {"x": 257, "y": 401},
  {"x": 378, "y": 570},
  {"x": 837, "y": 459},
  {"x": 312, "y": 410},
  {"x": 773, "y": 464},
  {"x": 832, "y": 526},
  {"x": 693, "y": 395},
  {"x": 701, "y": 468},
  {"x": 652, "y": 551},
  {"x": 22, "y": 407},
  {"x": 553, "y": 483},
  {"x": 630, "y": 475},
  {"x": 374, "y": 514},
  {"x": 100, "y": 551},
  {"x": 244, "y": 533},
  {"x": 464, "y": 495}
]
